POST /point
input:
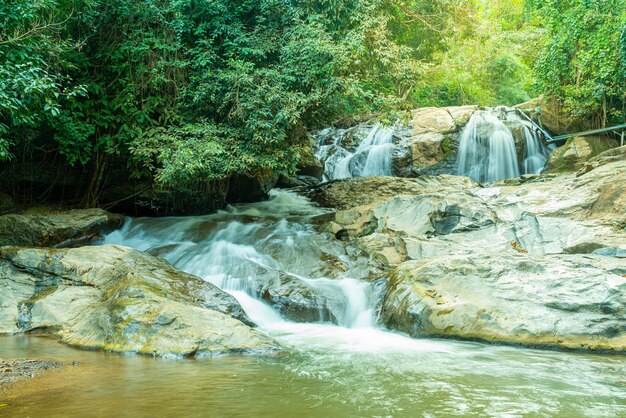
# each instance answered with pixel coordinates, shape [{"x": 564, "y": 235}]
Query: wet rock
[
  {"x": 611, "y": 252},
  {"x": 74, "y": 227},
  {"x": 304, "y": 300},
  {"x": 538, "y": 301},
  {"x": 431, "y": 140},
  {"x": 118, "y": 299}
]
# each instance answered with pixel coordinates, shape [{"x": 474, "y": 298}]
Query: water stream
[{"x": 353, "y": 368}]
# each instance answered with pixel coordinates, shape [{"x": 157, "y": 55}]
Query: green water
[{"x": 429, "y": 378}]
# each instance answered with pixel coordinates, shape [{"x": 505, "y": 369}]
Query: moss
[{"x": 447, "y": 147}]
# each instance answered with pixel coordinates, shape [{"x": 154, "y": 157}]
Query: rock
[
  {"x": 301, "y": 300},
  {"x": 538, "y": 301},
  {"x": 576, "y": 153},
  {"x": 611, "y": 252},
  {"x": 432, "y": 119},
  {"x": 246, "y": 189},
  {"x": 427, "y": 144},
  {"x": 118, "y": 299},
  {"x": 14, "y": 370},
  {"x": 358, "y": 191},
  {"x": 309, "y": 165},
  {"x": 433, "y": 139},
  {"x": 459, "y": 254},
  {"x": 61, "y": 229},
  {"x": 609, "y": 156}
]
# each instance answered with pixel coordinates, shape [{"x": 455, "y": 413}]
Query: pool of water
[{"x": 394, "y": 376}]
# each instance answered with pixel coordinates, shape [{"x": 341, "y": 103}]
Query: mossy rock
[{"x": 576, "y": 152}]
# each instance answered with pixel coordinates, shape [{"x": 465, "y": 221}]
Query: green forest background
[{"x": 181, "y": 90}]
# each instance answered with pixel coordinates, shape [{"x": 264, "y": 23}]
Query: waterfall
[
  {"x": 372, "y": 156},
  {"x": 487, "y": 148}
]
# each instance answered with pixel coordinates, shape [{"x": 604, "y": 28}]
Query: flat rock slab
[
  {"x": 119, "y": 299},
  {"x": 566, "y": 302}
]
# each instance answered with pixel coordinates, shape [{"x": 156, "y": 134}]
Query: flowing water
[
  {"x": 487, "y": 148},
  {"x": 351, "y": 369},
  {"x": 372, "y": 156}
]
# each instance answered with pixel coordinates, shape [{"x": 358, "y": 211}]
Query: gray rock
[
  {"x": 118, "y": 299},
  {"x": 60, "y": 229},
  {"x": 520, "y": 299},
  {"x": 611, "y": 252},
  {"x": 302, "y": 300}
]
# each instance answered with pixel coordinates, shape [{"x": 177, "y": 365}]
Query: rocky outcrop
[
  {"x": 425, "y": 144},
  {"x": 358, "y": 191},
  {"x": 511, "y": 298},
  {"x": 118, "y": 299},
  {"x": 433, "y": 138},
  {"x": 612, "y": 155},
  {"x": 61, "y": 228},
  {"x": 577, "y": 152},
  {"x": 538, "y": 262}
]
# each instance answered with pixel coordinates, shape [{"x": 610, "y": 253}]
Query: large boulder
[
  {"x": 577, "y": 152},
  {"x": 60, "y": 228},
  {"x": 118, "y": 299},
  {"x": 514, "y": 298},
  {"x": 431, "y": 140}
]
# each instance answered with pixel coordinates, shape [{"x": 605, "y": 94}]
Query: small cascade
[
  {"x": 536, "y": 153},
  {"x": 250, "y": 248},
  {"x": 487, "y": 147},
  {"x": 372, "y": 156}
]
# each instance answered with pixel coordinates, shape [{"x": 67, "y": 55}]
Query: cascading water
[
  {"x": 372, "y": 157},
  {"x": 536, "y": 153},
  {"x": 243, "y": 250},
  {"x": 487, "y": 148}
]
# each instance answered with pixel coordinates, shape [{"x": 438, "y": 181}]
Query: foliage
[
  {"x": 191, "y": 90},
  {"x": 582, "y": 64}
]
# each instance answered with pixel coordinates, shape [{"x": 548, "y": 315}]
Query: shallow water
[
  {"x": 356, "y": 369},
  {"x": 341, "y": 378}
]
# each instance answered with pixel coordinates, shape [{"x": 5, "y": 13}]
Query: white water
[
  {"x": 487, "y": 150},
  {"x": 372, "y": 157},
  {"x": 243, "y": 249}
]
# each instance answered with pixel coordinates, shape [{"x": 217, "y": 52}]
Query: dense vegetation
[{"x": 184, "y": 91}]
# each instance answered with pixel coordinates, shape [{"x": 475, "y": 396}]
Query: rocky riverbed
[
  {"x": 12, "y": 371},
  {"x": 537, "y": 263}
]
